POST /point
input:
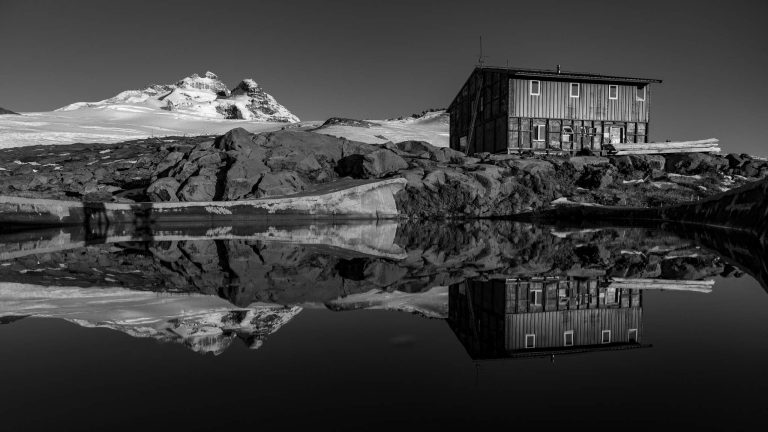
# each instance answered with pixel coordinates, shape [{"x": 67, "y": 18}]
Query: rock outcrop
[{"x": 440, "y": 182}]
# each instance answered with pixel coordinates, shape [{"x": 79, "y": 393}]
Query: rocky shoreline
[{"x": 440, "y": 182}]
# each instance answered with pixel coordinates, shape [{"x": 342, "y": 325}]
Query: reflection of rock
[
  {"x": 205, "y": 324},
  {"x": 319, "y": 264}
]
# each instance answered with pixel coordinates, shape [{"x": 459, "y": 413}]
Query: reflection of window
[
  {"x": 568, "y": 338},
  {"x": 632, "y": 335},
  {"x": 536, "y": 297},
  {"x": 530, "y": 341},
  {"x": 535, "y": 88},
  {"x": 641, "y": 93},
  {"x": 575, "y": 90},
  {"x": 605, "y": 337},
  {"x": 538, "y": 132},
  {"x": 613, "y": 91}
]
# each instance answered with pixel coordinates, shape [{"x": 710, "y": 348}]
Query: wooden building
[
  {"x": 541, "y": 317},
  {"x": 501, "y": 110}
]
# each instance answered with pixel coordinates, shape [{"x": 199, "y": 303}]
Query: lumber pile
[{"x": 699, "y": 146}]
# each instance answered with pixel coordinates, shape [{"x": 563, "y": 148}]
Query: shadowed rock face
[{"x": 4, "y": 111}]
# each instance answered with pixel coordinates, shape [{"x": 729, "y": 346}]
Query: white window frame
[
  {"x": 602, "y": 337},
  {"x": 536, "y": 297},
  {"x": 538, "y": 87},
  {"x": 629, "y": 335},
  {"x": 578, "y": 90},
  {"x": 539, "y": 133},
  {"x": 533, "y": 338},
  {"x": 637, "y": 93},
  {"x": 613, "y": 86},
  {"x": 565, "y": 338}
]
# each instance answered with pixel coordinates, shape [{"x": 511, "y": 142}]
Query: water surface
[{"x": 359, "y": 326}]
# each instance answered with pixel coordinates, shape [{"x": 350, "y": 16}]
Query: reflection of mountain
[
  {"x": 202, "y": 323},
  {"x": 522, "y": 318},
  {"x": 232, "y": 272}
]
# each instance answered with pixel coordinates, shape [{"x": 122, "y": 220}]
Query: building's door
[
  {"x": 616, "y": 134},
  {"x": 587, "y": 137}
]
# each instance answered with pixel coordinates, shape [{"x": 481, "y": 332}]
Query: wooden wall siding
[
  {"x": 491, "y": 123},
  {"x": 569, "y": 304},
  {"x": 587, "y": 326},
  {"x": 592, "y": 104},
  {"x": 588, "y": 134},
  {"x": 491, "y": 318},
  {"x": 565, "y": 294}
]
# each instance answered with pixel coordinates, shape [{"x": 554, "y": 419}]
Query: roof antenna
[{"x": 481, "y": 58}]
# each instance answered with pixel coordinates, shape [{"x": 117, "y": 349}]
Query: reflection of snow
[
  {"x": 202, "y": 323},
  {"x": 432, "y": 303}
]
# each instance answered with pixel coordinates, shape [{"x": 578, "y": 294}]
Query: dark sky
[{"x": 389, "y": 58}]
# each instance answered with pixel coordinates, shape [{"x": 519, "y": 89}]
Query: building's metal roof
[{"x": 566, "y": 75}]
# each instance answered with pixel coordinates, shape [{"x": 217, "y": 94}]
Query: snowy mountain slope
[
  {"x": 430, "y": 126},
  {"x": 205, "y": 96}
]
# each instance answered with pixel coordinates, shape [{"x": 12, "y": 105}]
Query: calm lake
[{"x": 364, "y": 326}]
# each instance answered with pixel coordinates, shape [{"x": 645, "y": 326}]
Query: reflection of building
[{"x": 520, "y": 318}]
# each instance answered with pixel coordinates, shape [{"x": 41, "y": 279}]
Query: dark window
[
  {"x": 613, "y": 91},
  {"x": 641, "y": 93},
  {"x": 539, "y": 132},
  {"x": 535, "y": 88},
  {"x": 530, "y": 341},
  {"x": 606, "y": 337},
  {"x": 568, "y": 338},
  {"x": 575, "y": 90}
]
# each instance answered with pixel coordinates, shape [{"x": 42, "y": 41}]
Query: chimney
[{"x": 558, "y": 68}]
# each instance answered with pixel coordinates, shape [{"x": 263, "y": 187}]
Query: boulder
[
  {"x": 376, "y": 164},
  {"x": 242, "y": 176},
  {"x": 648, "y": 163},
  {"x": 736, "y": 160},
  {"x": 198, "y": 188},
  {"x": 579, "y": 162},
  {"x": 694, "y": 163},
  {"x": 596, "y": 176},
  {"x": 279, "y": 183},
  {"x": 237, "y": 139},
  {"x": 170, "y": 161},
  {"x": 163, "y": 189}
]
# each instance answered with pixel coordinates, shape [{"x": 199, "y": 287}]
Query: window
[
  {"x": 641, "y": 93},
  {"x": 530, "y": 341},
  {"x": 575, "y": 90},
  {"x": 535, "y": 88},
  {"x": 538, "y": 132},
  {"x": 613, "y": 92},
  {"x": 632, "y": 335},
  {"x": 567, "y": 133},
  {"x": 605, "y": 337},
  {"x": 568, "y": 338},
  {"x": 536, "y": 297}
]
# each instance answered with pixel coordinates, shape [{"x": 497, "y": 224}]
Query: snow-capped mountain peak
[{"x": 205, "y": 96}]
